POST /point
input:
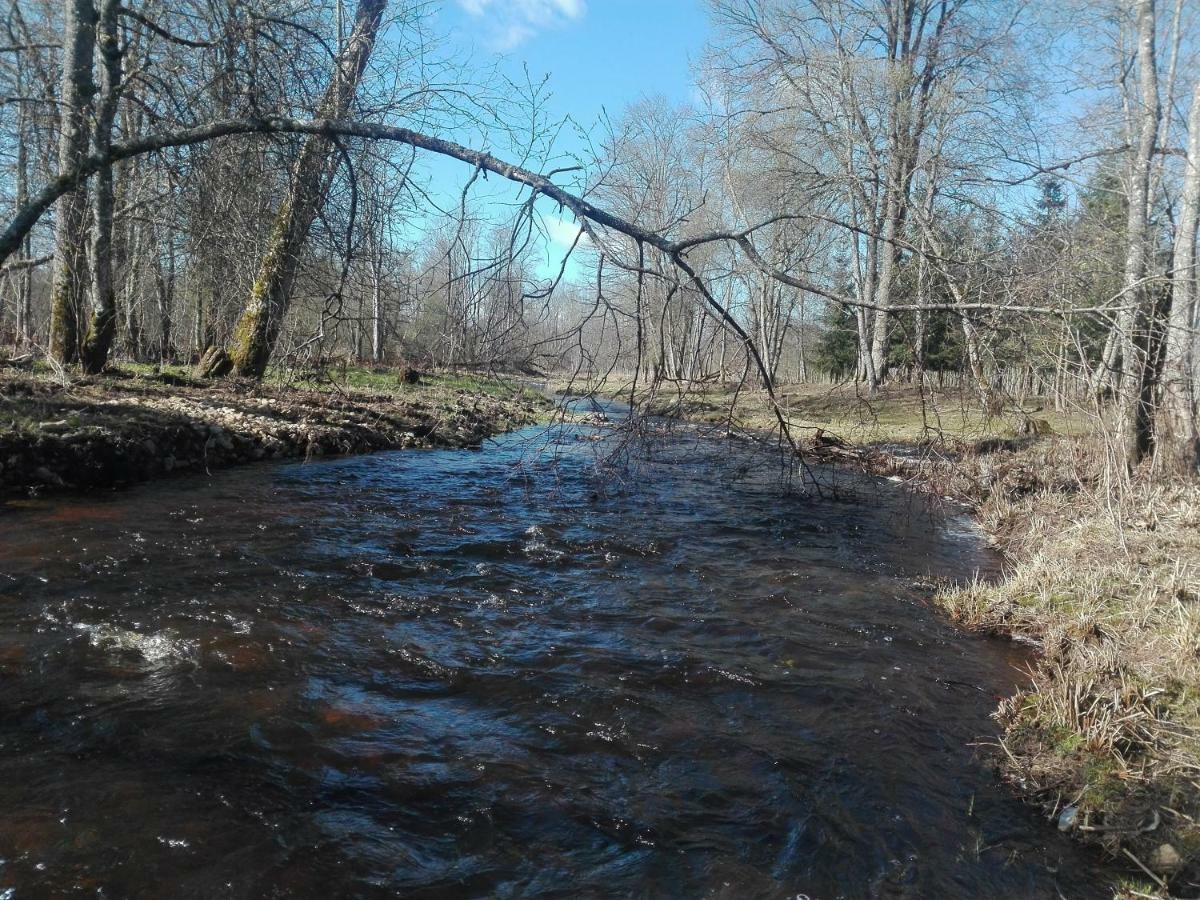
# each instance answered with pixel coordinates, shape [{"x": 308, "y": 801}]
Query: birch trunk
[
  {"x": 1177, "y": 441},
  {"x": 103, "y": 324},
  {"x": 376, "y": 312},
  {"x": 1132, "y": 415}
]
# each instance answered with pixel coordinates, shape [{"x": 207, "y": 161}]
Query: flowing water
[{"x": 509, "y": 673}]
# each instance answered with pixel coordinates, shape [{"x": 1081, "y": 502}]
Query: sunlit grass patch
[
  {"x": 902, "y": 415},
  {"x": 1109, "y": 725}
]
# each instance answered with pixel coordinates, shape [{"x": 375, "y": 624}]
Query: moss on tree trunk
[
  {"x": 64, "y": 323},
  {"x": 253, "y": 339},
  {"x": 103, "y": 326},
  {"x": 258, "y": 328}
]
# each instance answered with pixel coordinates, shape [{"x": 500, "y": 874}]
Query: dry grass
[
  {"x": 900, "y": 414},
  {"x": 1109, "y": 589}
]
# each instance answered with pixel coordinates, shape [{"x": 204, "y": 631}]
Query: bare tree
[
  {"x": 78, "y": 88},
  {"x": 258, "y": 329},
  {"x": 102, "y": 326},
  {"x": 1178, "y": 444}
]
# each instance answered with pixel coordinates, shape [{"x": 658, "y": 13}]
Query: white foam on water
[{"x": 156, "y": 648}]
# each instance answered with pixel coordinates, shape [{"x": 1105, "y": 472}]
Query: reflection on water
[{"x": 456, "y": 674}]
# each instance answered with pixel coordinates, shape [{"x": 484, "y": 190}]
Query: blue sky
[{"x": 598, "y": 56}]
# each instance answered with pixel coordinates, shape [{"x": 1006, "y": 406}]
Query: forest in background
[{"x": 997, "y": 196}]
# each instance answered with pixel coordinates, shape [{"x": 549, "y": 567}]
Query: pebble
[
  {"x": 1166, "y": 859},
  {"x": 1066, "y": 819}
]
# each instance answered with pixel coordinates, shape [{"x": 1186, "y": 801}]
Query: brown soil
[{"x": 115, "y": 430}]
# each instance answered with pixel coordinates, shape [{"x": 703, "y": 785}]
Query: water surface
[{"x": 508, "y": 673}]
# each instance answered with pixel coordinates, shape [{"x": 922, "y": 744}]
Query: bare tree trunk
[
  {"x": 1104, "y": 377},
  {"x": 199, "y": 344},
  {"x": 802, "y": 373},
  {"x": 70, "y": 227},
  {"x": 923, "y": 278},
  {"x": 893, "y": 214},
  {"x": 130, "y": 309},
  {"x": 376, "y": 309},
  {"x": 975, "y": 362},
  {"x": 920, "y": 328},
  {"x": 360, "y": 327},
  {"x": 165, "y": 291},
  {"x": 865, "y": 274},
  {"x": 909, "y": 112},
  {"x": 1133, "y": 424},
  {"x": 1176, "y": 438},
  {"x": 103, "y": 324},
  {"x": 258, "y": 329},
  {"x": 24, "y": 330},
  {"x": 867, "y": 293},
  {"x": 1175, "y": 34}
]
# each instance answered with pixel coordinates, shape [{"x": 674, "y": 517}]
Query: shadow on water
[{"x": 508, "y": 673}]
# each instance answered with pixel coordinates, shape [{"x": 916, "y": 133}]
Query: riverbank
[
  {"x": 127, "y": 427},
  {"x": 1103, "y": 578},
  {"x": 1106, "y": 736}
]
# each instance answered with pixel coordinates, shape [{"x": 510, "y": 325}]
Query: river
[{"x": 536, "y": 670}]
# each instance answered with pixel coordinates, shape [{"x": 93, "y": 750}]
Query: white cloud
[
  {"x": 512, "y": 22},
  {"x": 562, "y": 233}
]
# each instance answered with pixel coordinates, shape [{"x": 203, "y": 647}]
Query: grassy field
[{"x": 901, "y": 414}]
